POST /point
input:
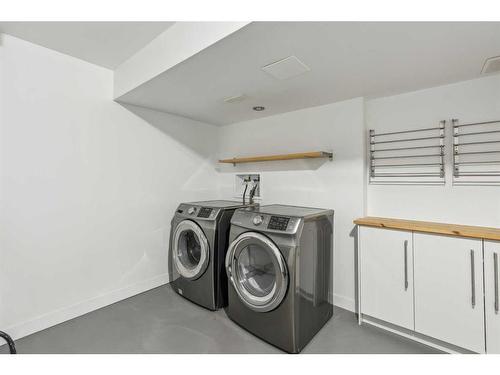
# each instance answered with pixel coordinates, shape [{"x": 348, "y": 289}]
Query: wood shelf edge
[{"x": 292, "y": 156}]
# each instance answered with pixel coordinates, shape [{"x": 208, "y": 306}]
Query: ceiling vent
[
  {"x": 286, "y": 68},
  {"x": 236, "y": 98},
  {"x": 491, "y": 65}
]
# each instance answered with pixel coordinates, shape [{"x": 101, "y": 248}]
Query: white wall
[
  {"x": 338, "y": 184},
  {"x": 87, "y": 187},
  {"x": 469, "y": 101}
]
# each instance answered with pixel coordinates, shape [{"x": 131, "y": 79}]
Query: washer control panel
[
  {"x": 278, "y": 223},
  {"x": 197, "y": 212},
  {"x": 205, "y": 212}
]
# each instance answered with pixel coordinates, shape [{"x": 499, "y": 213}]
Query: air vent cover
[
  {"x": 235, "y": 98},
  {"x": 491, "y": 65},
  {"x": 286, "y": 68}
]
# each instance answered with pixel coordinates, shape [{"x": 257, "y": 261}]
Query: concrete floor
[{"x": 160, "y": 321}]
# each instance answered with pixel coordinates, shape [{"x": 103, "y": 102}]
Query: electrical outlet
[{"x": 240, "y": 180}]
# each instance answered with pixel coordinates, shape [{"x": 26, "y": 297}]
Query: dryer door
[
  {"x": 257, "y": 271},
  {"x": 190, "y": 250}
]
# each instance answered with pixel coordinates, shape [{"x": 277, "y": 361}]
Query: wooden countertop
[{"x": 470, "y": 231}]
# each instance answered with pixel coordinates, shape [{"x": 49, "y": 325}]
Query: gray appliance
[
  {"x": 279, "y": 264},
  {"x": 198, "y": 243}
]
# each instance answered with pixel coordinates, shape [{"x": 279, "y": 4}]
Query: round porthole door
[
  {"x": 190, "y": 250},
  {"x": 257, "y": 270}
]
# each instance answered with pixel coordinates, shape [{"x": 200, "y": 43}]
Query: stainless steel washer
[
  {"x": 198, "y": 243},
  {"x": 279, "y": 264}
]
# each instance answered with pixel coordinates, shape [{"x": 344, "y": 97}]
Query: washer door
[
  {"x": 190, "y": 250},
  {"x": 257, "y": 271}
]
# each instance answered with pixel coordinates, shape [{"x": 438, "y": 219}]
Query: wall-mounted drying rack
[
  {"x": 408, "y": 156},
  {"x": 476, "y": 153},
  {"x": 300, "y": 155}
]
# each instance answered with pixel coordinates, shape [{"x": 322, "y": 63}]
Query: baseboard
[
  {"x": 53, "y": 318},
  {"x": 343, "y": 302},
  {"x": 414, "y": 336}
]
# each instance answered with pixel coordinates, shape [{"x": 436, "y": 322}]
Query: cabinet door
[
  {"x": 386, "y": 277},
  {"x": 492, "y": 284},
  {"x": 449, "y": 290}
]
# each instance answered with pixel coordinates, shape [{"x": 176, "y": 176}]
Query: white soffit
[
  {"x": 172, "y": 47},
  {"x": 106, "y": 44},
  {"x": 286, "y": 68}
]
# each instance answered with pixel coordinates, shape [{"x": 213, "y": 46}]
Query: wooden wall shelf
[{"x": 300, "y": 155}]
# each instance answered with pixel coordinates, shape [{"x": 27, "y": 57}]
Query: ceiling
[
  {"x": 107, "y": 44},
  {"x": 346, "y": 60}
]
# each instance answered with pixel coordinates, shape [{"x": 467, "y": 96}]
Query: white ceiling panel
[{"x": 346, "y": 60}]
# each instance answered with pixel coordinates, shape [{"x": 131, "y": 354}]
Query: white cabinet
[
  {"x": 491, "y": 282},
  {"x": 449, "y": 290},
  {"x": 386, "y": 275}
]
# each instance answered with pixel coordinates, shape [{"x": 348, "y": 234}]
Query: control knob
[
  {"x": 191, "y": 210},
  {"x": 257, "y": 220}
]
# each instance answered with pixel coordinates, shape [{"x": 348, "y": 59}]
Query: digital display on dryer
[
  {"x": 204, "y": 212},
  {"x": 278, "y": 223}
]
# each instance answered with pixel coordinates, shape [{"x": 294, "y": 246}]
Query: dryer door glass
[
  {"x": 190, "y": 250},
  {"x": 257, "y": 271}
]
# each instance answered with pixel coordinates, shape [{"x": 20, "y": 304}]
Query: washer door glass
[
  {"x": 257, "y": 271},
  {"x": 190, "y": 250}
]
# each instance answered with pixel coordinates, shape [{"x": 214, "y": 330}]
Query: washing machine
[
  {"x": 198, "y": 243},
  {"x": 279, "y": 264}
]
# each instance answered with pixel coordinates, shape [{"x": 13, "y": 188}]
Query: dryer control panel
[
  {"x": 266, "y": 222},
  {"x": 278, "y": 223}
]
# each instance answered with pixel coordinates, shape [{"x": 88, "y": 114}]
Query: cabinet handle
[
  {"x": 495, "y": 266},
  {"x": 473, "y": 279},
  {"x": 406, "y": 264}
]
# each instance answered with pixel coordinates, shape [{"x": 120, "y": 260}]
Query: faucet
[{"x": 254, "y": 189}]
